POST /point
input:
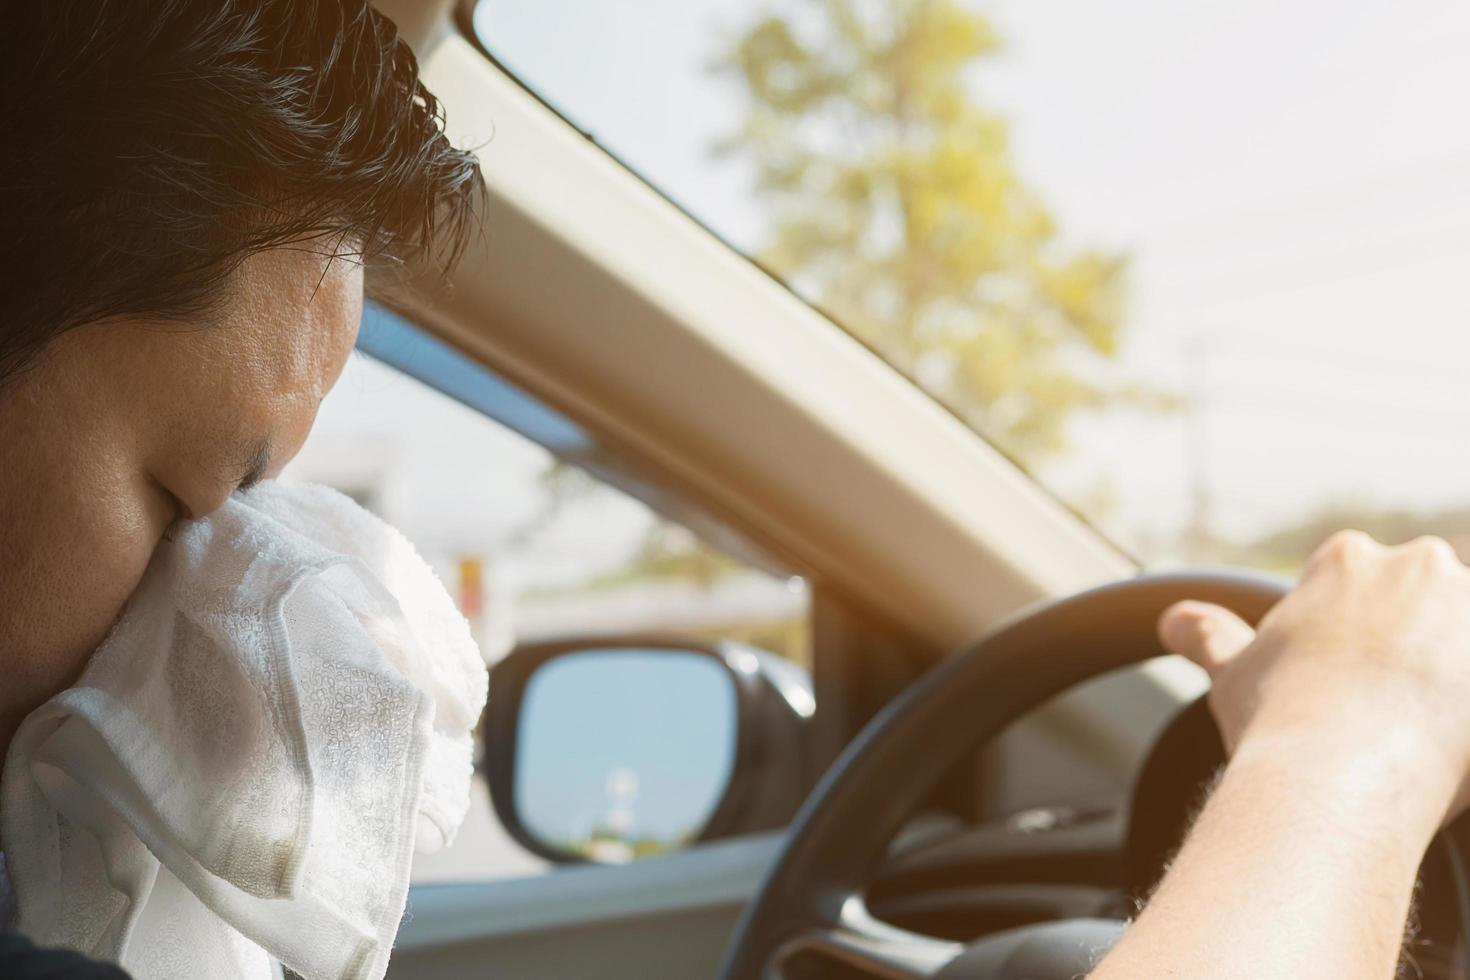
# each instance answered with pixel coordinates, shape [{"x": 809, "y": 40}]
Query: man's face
[{"x": 121, "y": 429}]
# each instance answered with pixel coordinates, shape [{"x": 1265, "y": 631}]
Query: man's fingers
[{"x": 1209, "y": 635}]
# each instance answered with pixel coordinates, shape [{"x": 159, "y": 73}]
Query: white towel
[{"x": 247, "y": 762}]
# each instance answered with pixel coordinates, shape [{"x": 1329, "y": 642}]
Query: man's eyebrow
[{"x": 256, "y": 463}]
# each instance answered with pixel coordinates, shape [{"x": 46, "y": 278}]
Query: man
[{"x": 191, "y": 190}]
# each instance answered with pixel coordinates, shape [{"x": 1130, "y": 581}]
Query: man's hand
[
  {"x": 1373, "y": 641},
  {"x": 1347, "y": 715}
]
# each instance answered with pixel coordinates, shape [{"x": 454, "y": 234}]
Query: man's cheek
[
  {"x": 70, "y": 611},
  {"x": 92, "y": 589}
]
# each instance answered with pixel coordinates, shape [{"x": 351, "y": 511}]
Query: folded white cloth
[{"x": 247, "y": 762}]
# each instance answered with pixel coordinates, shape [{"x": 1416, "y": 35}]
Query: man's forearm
[{"x": 1302, "y": 864}]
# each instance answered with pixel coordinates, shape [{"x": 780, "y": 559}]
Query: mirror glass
[{"x": 624, "y": 753}]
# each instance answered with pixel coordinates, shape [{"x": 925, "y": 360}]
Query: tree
[
  {"x": 895, "y": 205},
  {"x": 897, "y": 208}
]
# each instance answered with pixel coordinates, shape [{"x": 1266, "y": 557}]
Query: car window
[
  {"x": 1196, "y": 266},
  {"x": 532, "y": 547}
]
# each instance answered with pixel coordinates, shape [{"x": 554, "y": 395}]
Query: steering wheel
[{"x": 810, "y": 915}]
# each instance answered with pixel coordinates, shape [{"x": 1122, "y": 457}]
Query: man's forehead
[{"x": 288, "y": 328}]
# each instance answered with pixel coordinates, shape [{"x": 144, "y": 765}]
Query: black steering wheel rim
[{"x": 838, "y": 838}]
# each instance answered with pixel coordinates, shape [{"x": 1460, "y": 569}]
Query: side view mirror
[{"x": 614, "y": 749}]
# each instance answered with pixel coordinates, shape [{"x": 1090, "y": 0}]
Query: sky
[{"x": 1291, "y": 181}]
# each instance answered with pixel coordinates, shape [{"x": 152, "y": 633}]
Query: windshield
[{"x": 1196, "y": 265}]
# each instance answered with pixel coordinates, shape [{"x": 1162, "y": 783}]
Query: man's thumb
[{"x": 1207, "y": 634}]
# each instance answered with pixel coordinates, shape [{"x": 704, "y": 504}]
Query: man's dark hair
[{"x": 149, "y": 146}]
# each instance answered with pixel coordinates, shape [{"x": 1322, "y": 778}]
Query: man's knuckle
[
  {"x": 1345, "y": 544},
  {"x": 1433, "y": 550}
]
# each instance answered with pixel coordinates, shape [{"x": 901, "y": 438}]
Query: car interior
[{"x": 949, "y": 747}]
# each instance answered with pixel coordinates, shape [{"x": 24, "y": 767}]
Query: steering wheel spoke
[{"x": 862, "y": 943}]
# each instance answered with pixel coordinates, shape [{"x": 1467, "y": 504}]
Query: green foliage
[
  {"x": 669, "y": 551},
  {"x": 897, "y": 207},
  {"x": 1286, "y": 548},
  {"x": 561, "y": 484}
]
